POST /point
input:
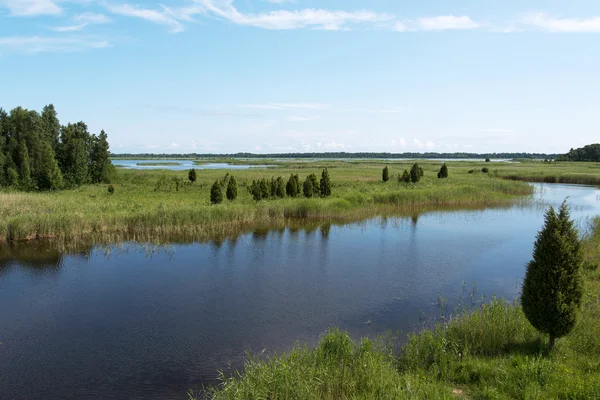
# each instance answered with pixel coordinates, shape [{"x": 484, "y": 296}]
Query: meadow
[
  {"x": 162, "y": 206},
  {"x": 491, "y": 352}
]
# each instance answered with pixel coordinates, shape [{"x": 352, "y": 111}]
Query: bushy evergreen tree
[
  {"x": 311, "y": 186},
  {"x": 25, "y": 180},
  {"x": 192, "y": 176},
  {"x": 485, "y": 170},
  {"x": 101, "y": 169},
  {"x": 443, "y": 172},
  {"x": 298, "y": 184},
  {"x": 385, "y": 176},
  {"x": 279, "y": 187},
  {"x": 110, "y": 189},
  {"x": 231, "y": 189},
  {"x": 291, "y": 188},
  {"x": 255, "y": 191},
  {"x": 265, "y": 189},
  {"x": 273, "y": 187},
  {"x": 415, "y": 173},
  {"x": 405, "y": 177},
  {"x": 325, "y": 184},
  {"x": 49, "y": 175},
  {"x": 216, "y": 194},
  {"x": 552, "y": 288}
]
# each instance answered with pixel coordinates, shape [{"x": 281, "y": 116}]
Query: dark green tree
[
  {"x": 50, "y": 127},
  {"x": 488, "y": 160},
  {"x": 485, "y": 170},
  {"x": 231, "y": 189},
  {"x": 279, "y": 187},
  {"x": 311, "y": 186},
  {"x": 255, "y": 191},
  {"x": 192, "y": 175},
  {"x": 49, "y": 176},
  {"x": 385, "y": 176},
  {"x": 298, "y": 184},
  {"x": 101, "y": 168},
  {"x": 443, "y": 172},
  {"x": 12, "y": 177},
  {"x": 552, "y": 288},
  {"x": 110, "y": 189},
  {"x": 291, "y": 188},
  {"x": 25, "y": 179},
  {"x": 265, "y": 189},
  {"x": 405, "y": 177},
  {"x": 325, "y": 184},
  {"x": 415, "y": 173},
  {"x": 216, "y": 194},
  {"x": 273, "y": 187}
]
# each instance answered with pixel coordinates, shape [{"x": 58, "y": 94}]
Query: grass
[
  {"x": 489, "y": 353},
  {"x": 159, "y": 206}
]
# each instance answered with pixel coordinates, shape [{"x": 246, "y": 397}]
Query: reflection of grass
[
  {"x": 491, "y": 353},
  {"x": 146, "y": 205}
]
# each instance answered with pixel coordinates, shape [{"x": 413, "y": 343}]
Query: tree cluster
[
  {"x": 591, "y": 152},
  {"x": 229, "y": 183},
  {"x": 275, "y": 188},
  {"x": 38, "y": 153}
]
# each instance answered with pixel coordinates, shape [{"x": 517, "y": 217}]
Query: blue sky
[{"x": 299, "y": 75}]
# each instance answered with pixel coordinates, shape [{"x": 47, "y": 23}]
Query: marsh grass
[
  {"x": 491, "y": 352},
  {"x": 157, "y": 205}
]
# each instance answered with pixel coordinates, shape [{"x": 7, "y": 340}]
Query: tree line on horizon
[
  {"x": 591, "y": 152},
  {"x": 342, "y": 155},
  {"x": 38, "y": 153}
]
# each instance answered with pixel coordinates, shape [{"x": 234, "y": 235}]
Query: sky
[{"x": 279, "y": 76}]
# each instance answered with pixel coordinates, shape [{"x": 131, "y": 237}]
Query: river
[{"x": 129, "y": 322}]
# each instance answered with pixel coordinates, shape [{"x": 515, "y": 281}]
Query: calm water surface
[
  {"x": 130, "y": 323},
  {"x": 183, "y": 165}
]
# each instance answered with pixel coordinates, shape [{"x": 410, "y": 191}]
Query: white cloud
[
  {"x": 393, "y": 110},
  {"x": 29, "y": 8},
  {"x": 330, "y": 145},
  {"x": 446, "y": 22},
  {"x": 564, "y": 25},
  {"x": 280, "y": 1},
  {"x": 68, "y": 28},
  {"x": 40, "y": 44},
  {"x": 283, "y": 106},
  {"x": 286, "y": 19},
  {"x": 399, "y": 143},
  {"x": 174, "y": 145},
  {"x": 167, "y": 17},
  {"x": 92, "y": 18},
  {"x": 428, "y": 145}
]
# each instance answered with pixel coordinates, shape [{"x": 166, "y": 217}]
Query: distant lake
[
  {"x": 126, "y": 322},
  {"x": 182, "y": 165}
]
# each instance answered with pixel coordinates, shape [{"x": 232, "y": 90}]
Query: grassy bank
[
  {"x": 159, "y": 205},
  {"x": 490, "y": 353}
]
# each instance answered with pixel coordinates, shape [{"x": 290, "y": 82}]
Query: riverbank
[
  {"x": 155, "y": 206},
  {"x": 491, "y": 353}
]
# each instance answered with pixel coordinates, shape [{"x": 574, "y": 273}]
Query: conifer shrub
[
  {"x": 325, "y": 184},
  {"x": 216, "y": 194},
  {"x": 192, "y": 176},
  {"x": 385, "y": 176},
  {"x": 443, "y": 172},
  {"x": 415, "y": 173},
  {"x": 231, "y": 192}
]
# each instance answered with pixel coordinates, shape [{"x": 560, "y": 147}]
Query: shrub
[
  {"x": 311, "y": 186},
  {"x": 231, "y": 189},
  {"x": 325, "y": 186},
  {"x": 471, "y": 171},
  {"x": 386, "y": 174},
  {"x": 415, "y": 173},
  {"x": 279, "y": 187},
  {"x": 552, "y": 288},
  {"x": 485, "y": 170},
  {"x": 291, "y": 188},
  {"x": 110, "y": 189},
  {"x": 192, "y": 175},
  {"x": 265, "y": 189},
  {"x": 255, "y": 191},
  {"x": 488, "y": 160},
  {"x": 443, "y": 172},
  {"x": 216, "y": 195},
  {"x": 405, "y": 177}
]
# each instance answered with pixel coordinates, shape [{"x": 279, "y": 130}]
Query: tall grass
[{"x": 488, "y": 353}]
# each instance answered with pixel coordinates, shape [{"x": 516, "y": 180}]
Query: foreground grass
[
  {"x": 490, "y": 353},
  {"x": 162, "y": 206}
]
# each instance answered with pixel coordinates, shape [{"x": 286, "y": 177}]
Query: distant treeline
[
  {"x": 349, "y": 155},
  {"x": 591, "y": 152},
  {"x": 38, "y": 153}
]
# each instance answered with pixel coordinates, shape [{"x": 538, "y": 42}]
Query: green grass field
[
  {"x": 490, "y": 353},
  {"x": 160, "y": 205}
]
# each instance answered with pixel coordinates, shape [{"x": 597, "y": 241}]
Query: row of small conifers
[
  {"x": 414, "y": 175},
  {"x": 275, "y": 188}
]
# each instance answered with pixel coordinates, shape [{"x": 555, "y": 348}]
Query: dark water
[
  {"x": 182, "y": 165},
  {"x": 135, "y": 323}
]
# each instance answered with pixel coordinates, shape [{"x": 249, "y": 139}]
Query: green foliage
[
  {"x": 415, "y": 173},
  {"x": 292, "y": 188},
  {"x": 485, "y": 170},
  {"x": 255, "y": 191},
  {"x": 25, "y": 180},
  {"x": 216, "y": 194},
  {"x": 325, "y": 184},
  {"x": 110, "y": 189},
  {"x": 386, "y": 174},
  {"x": 279, "y": 187},
  {"x": 443, "y": 173},
  {"x": 405, "y": 177},
  {"x": 590, "y": 152},
  {"x": 192, "y": 176},
  {"x": 552, "y": 288},
  {"x": 12, "y": 177},
  {"x": 311, "y": 186},
  {"x": 273, "y": 187},
  {"x": 265, "y": 189},
  {"x": 49, "y": 175},
  {"x": 231, "y": 189},
  {"x": 488, "y": 160},
  {"x": 101, "y": 168}
]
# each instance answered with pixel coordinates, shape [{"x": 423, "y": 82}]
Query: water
[
  {"x": 182, "y": 165},
  {"x": 133, "y": 323}
]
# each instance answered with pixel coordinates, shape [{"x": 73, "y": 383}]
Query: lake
[
  {"x": 182, "y": 165},
  {"x": 132, "y": 322}
]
